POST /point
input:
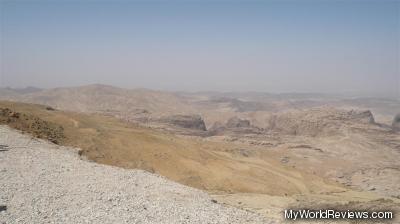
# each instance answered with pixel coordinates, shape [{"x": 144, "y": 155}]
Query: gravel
[{"x": 42, "y": 182}]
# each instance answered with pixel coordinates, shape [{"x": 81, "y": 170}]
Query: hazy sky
[{"x": 270, "y": 46}]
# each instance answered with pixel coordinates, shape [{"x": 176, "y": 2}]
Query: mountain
[
  {"x": 102, "y": 98},
  {"x": 212, "y": 106}
]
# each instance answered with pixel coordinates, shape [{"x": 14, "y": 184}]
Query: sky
[{"x": 268, "y": 46}]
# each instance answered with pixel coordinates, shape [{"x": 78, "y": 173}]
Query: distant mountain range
[{"x": 212, "y": 106}]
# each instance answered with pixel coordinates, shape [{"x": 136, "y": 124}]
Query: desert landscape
[
  {"x": 199, "y": 112},
  {"x": 261, "y": 154}
]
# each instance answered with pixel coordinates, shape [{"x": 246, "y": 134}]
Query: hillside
[
  {"x": 214, "y": 166},
  {"x": 242, "y": 168},
  {"x": 102, "y": 98},
  {"x": 88, "y": 192}
]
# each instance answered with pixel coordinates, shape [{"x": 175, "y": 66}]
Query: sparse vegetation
[{"x": 34, "y": 125}]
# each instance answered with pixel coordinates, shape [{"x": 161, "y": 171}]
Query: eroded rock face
[
  {"x": 186, "y": 121},
  {"x": 396, "y": 123},
  {"x": 234, "y": 125},
  {"x": 236, "y": 122},
  {"x": 362, "y": 116},
  {"x": 217, "y": 128},
  {"x": 318, "y": 121}
]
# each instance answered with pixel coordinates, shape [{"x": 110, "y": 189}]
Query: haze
[{"x": 291, "y": 46}]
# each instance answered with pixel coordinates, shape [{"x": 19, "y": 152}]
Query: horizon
[
  {"x": 329, "y": 47},
  {"x": 345, "y": 95}
]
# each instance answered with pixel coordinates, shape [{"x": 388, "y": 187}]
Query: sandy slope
[{"x": 46, "y": 183}]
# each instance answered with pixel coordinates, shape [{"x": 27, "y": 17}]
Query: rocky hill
[
  {"x": 213, "y": 107},
  {"x": 102, "y": 98},
  {"x": 52, "y": 184},
  {"x": 318, "y": 121},
  {"x": 317, "y": 155}
]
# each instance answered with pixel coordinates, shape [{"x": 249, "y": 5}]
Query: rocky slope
[{"x": 46, "y": 183}]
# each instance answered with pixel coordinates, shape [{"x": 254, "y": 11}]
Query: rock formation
[
  {"x": 186, "y": 121},
  {"x": 396, "y": 123},
  {"x": 363, "y": 116},
  {"x": 318, "y": 121},
  {"x": 236, "y": 122},
  {"x": 234, "y": 125}
]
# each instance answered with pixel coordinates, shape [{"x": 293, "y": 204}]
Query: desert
[
  {"x": 178, "y": 112},
  {"x": 263, "y": 161}
]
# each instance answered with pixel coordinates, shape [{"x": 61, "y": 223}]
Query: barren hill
[
  {"x": 88, "y": 192},
  {"x": 144, "y": 104},
  {"x": 239, "y": 146},
  {"x": 240, "y": 167},
  {"x": 103, "y": 98},
  {"x": 207, "y": 165}
]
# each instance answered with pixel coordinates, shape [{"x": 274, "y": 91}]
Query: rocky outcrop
[
  {"x": 217, "y": 128},
  {"x": 234, "y": 125},
  {"x": 361, "y": 116},
  {"x": 186, "y": 121},
  {"x": 318, "y": 121},
  {"x": 396, "y": 123},
  {"x": 236, "y": 122}
]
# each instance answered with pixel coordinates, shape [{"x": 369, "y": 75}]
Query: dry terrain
[
  {"x": 207, "y": 164},
  {"x": 256, "y": 151},
  {"x": 46, "y": 183}
]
